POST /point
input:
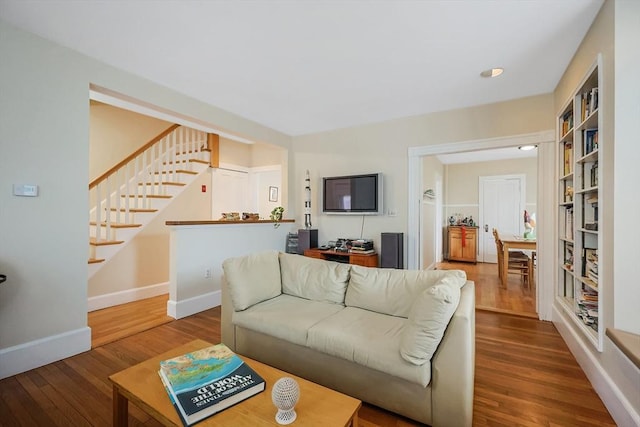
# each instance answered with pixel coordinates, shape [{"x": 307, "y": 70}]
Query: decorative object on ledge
[
  {"x": 250, "y": 216},
  {"x": 285, "y": 395},
  {"x": 276, "y": 215},
  {"x": 429, "y": 194},
  {"x": 230, "y": 216},
  {"x": 307, "y": 202}
]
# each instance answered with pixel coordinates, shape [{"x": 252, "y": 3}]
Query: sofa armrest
[
  {"x": 453, "y": 366},
  {"x": 227, "y": 330}
]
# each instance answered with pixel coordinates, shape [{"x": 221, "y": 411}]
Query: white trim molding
[
  {"x": 194, "y": 305},
  {"x": 33, "y": 354},
  {"x": 618, "y": 405},
  {"x": 127, "y": 295}
]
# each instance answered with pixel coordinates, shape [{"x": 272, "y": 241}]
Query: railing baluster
[
  {"x": 98, "y": 211},
  {"x": 118, "y": 198},
  {"x": 107, "y": 208},
  {"x": 127, "y": 193}
]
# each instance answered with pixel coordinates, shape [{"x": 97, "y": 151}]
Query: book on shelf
[
  {"x": 590, "y": 140},
  {"x": 588, "y": 103},
  {"x": 568, "y": 157},
  {"x": 594, "y": 175},
  {"x": 568, "y": 224},
  {"x": 590, "y": 264},
  {"x": 566, "y": 123},
  {"x": 207, "y": 381}
]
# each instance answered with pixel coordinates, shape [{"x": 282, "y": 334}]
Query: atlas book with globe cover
[{"x": 207, "y": 381}]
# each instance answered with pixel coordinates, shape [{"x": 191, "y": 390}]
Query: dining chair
[{"x": 519, "y": 262}]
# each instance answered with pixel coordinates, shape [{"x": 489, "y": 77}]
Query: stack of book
[
  {"x": 587, "y": 308},
  {"x": 362, "y": 246},
  {"x": 207, "y": 381},
  {"x": 590, "y": 265}
]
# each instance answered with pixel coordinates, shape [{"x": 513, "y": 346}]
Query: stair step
[
  {"x": 95, "y": 260},
  {"x": 178, "y": 184},
  {"x": 94, "y": 242},
  {"x": 117, "y": 224},
  {"x": 204, "y": 162},
  {"x": 203, "y": 149},
  {"x": 178, "y": 171},
  {"x": 135, "y": 210},
  {"x": 150, "y": 196}
]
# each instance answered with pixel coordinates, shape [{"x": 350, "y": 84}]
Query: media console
[{"x": 366, "y": 260}]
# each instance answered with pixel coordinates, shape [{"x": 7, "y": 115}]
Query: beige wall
[
  {"x": 462, "y": 183},
  {"x": 115, "y": 133},
  {"x": 382, "y": 147},
  {"x": 614, "y": 34},
  {"x": 44, "y": 140}
]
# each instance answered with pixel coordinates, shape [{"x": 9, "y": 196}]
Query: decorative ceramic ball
[{"x": 285, "y": 395}]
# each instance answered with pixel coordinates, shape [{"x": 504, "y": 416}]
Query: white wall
[{"x": 44, "y": 140}]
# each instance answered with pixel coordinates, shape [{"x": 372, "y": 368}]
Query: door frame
[
  {"x": 481, "y": 220},
  {"x": 545, "y": 140}
]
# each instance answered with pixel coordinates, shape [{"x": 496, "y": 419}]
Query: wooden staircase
[{"x": 128, "y": 196}]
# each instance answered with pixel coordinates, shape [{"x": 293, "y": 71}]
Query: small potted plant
[{"x": 276, "y": 215}]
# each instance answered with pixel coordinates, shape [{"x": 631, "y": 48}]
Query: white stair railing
[{"x": 134, "y": 182}]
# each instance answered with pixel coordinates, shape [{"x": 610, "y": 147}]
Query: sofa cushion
[
  {"x": 313, "y": 279},
  {"x": 285, "y": 317},
  {"x": 253, "y": 278},
  {"x": 369, "y": 339},
  {"x": 391, "y": 291},
  {"x": 428, "y": 319}
]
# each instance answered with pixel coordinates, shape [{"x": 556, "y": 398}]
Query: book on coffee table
[{"x": 204, "y": 382}]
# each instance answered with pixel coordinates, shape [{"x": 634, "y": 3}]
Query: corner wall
[{"x": 44, "y": 137}]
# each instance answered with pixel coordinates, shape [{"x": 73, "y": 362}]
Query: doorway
[
  {"x": 502, "y": 200},
  {"x": 546, "y": 189}
]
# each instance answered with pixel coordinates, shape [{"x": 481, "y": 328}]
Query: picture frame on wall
[{"x": 273, "y": 194}]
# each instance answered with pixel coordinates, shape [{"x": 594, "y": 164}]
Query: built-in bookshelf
[{"x": 579, "y": 290}]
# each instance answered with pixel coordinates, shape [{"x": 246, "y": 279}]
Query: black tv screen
[{"x": 354, "y": 194}]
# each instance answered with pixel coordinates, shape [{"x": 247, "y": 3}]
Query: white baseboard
[
  {"x": 622, "y": 411},
  {"x": 194, "y": 305},
  {"x": 24, "y": 357},
  {"x": 129, "y": 295}
]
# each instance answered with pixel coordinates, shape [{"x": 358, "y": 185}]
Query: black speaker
[
  {"x": 392, "y": 250},
  {"x": 307, "y": 239}
]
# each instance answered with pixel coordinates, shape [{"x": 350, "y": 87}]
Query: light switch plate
[{"x": 27, "y": 190}]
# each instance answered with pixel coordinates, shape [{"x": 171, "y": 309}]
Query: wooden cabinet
[
  {"x": 463, "y": 243},
  {"x": 365, "y": 260}
]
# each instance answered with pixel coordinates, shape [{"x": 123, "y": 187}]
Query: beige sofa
[{"x": 401, "y": 340}]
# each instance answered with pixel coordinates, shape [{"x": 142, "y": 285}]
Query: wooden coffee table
[{"x": 141, "y": 385}]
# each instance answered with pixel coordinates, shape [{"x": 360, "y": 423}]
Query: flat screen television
[{"x": 353, "y": 194}]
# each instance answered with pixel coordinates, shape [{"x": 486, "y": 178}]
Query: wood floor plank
[{"x": 525, "y": 375}]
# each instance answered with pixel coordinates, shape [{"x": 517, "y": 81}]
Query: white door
[
  {"x": 502, "y": 203},
  {"x": 229, "y": 192}
]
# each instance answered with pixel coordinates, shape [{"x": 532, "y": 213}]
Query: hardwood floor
[
  {"x": 490, "y": 295},
  {"x": 525, "y": 376},
  {"x": 111, "y": 324}
]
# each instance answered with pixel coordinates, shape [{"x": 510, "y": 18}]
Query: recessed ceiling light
[
  {"x": 527, "y": 147},
  {"x": 493, "y": 72}
]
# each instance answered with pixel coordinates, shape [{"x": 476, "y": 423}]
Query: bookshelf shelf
[{"x": 578, "y": 290}]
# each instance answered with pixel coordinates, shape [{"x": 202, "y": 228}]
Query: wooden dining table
[{"x": 513, "y": 242}]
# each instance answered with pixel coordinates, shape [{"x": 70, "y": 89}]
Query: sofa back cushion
[
  {"x": 391, "y": 291},
  {"x": 253, "y": 278},
  {"x": 314, "y": 279},
  {"x": 428, "y": 319}
]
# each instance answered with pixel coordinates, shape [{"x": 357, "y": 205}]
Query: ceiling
[{"x": 308, "y": 66}]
